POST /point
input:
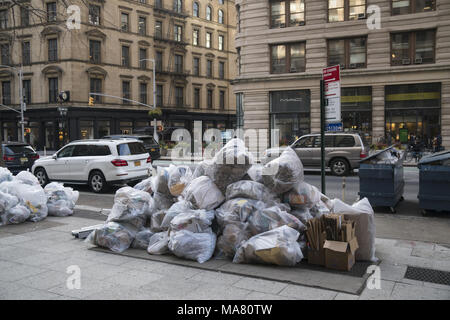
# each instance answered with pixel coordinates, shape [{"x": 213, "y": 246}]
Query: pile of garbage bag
[
  {"x": 23, "y": 199},
  {"x": 242, "y": 212}
]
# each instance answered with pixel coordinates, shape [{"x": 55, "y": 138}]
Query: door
[
  {"x": 304, "y": 148},
  {"x": 58, "y": 167},
  {"x": 78, "y": 164}
]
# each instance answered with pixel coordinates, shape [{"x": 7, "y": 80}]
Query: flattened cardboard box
[
  {"x": 340, "y": 255},
  {"x": 317, "y": 257}
]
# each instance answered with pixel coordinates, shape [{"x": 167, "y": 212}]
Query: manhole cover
[{"x": 428, "y": 275}]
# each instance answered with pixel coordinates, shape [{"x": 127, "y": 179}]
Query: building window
[
  {"x": 178, "y": 6},
  {"x": 238, "y": 18},
  {"x": 26, "y": 85},
  {"x": 178, "y": 33},
  {"x": 210, "y": 99},
  {"x": 221, "y": 41},
  {"x": 52, "y": 49},
  {"x": 96, "y": 87},
  {"x": 195, "y": 36},
  {"x": 124, "y": 21},
  {"x": 208, "y": 13},
  {"x": 24, "y": 17},
  {"x": 26, "y": 53},
  {"x": 221, "y": 1},
  {"x": 143, "y": 92},
  {"x": 6, "y": 93},
  {"x": 4, "y": 48},
  {"x": 221, "y": 70},
  {"x": 222, "y": 100},
  {"x": 344, "y": 10},
  {"x": 142, "y": 26},
  {"x": 94, "y": 14},
  {"x": 413, "y": 110},
  {"x": 197, "y": 98},
  {"x": 142, "y": 57},
  {"x": 94, "y": 51},
  {"x": 208, "y": 39},
  {"x": 125, "y": 56},
  {"x": 178, "y": 63},
  {"x": 159, "y": 95},
  {"x": 290, "y": 114},
  {"x": 412, "y": 6},
  {"x": 51, "y": 11},
  {"x": 209, "y": 68},
  {"x": 158, "y": 29},
  {"x": 195, "y": 10},
  {"x": 287, "y": 13},
  {"x": 413, "y": 47},
  {"x": 126, "y": 91},
  {"x": 158, "y": 4},
  {"x": 347, "y": 53},
  {"x": 220, "y": 16},
  {"x": 287, "y": 58},
  {"x": 159, "y": 61},
  {"x": 238, "y": 58},
  {"x": 239, "y": 110},
  {"x": 3, "y": 19},
  {"x": 52, "y": 90},
  {"x": 179, "y": 99},
  {"x": 356, "y": 110},
  {"x": 196, "y": 66}
]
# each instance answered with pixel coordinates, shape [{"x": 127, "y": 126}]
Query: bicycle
[{"x": 411, "y": 154}]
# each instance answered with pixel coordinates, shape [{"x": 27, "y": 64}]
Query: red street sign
[
  {"x": 332, "y": 93},
  {"x": 331, "y": 74}
]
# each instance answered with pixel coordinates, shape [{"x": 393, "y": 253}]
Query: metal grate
[{"x": 428, "y": 275}]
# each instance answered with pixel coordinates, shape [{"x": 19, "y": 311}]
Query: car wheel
[
  {"x": 97, "y": 182},
  {"x": 339, "y": 167},
  {"x": 42, "y": 177}
]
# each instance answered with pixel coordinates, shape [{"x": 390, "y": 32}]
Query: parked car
[
  {"x": 150, "y": 144},
  {"x": 343, "y": 151},
  {"x": 18, "y": 156},
  {"x": 98, "y": 163}
]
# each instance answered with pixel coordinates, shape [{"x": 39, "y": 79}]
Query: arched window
[
  {"x": 220, "y": 16},
  {"x": 221, "y": 1},
  {"x": 178, "y": 5},
  {"x": 196, "y": 9},
  {"x": 208, "y": 13}
]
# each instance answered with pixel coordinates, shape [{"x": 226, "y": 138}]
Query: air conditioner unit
[
  {"x": 406, "y": 61},
  {"x": 353, "y": 66},
  {"x": 361, "y": 16},
  {"x": 418, "y": 60},
  {"x": 293, "y": 69}
]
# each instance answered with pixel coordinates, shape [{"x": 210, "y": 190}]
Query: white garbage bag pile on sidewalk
[
  {"x": 215, "y": 211},
  {"x": 23, "y": 199}
]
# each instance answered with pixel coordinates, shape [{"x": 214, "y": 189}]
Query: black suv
[
  {"x": 150, "y": 145},
  {"x": 18, "y": 156}
]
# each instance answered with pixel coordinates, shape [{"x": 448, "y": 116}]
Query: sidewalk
[{"x": 33, "y": 265}]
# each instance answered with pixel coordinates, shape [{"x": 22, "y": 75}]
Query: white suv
[{"x": 98, "y": 163}]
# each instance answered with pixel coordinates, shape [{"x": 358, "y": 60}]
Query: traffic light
[{"x": 91, "y": 101}]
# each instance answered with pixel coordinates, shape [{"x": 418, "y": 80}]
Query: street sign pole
[{"x": 322, "y": 136}]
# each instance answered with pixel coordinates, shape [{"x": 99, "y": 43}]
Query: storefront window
[
  {"x": 356, "y": 104},
  {"x": 50, "y": 135},
  {"x": 290, "y": 114},
  {"x": 413, "y": 113},
  {"x": 86, "y": 130},
  {"x": 32, "y": 135},
  {"x": 126, "y": 127},
  {"x": 8, "y": 131},
  {"x": 103, "y": 128}
]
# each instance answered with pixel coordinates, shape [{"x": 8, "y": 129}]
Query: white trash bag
[
  {"x": 192, "y": 246},
  {"x": 250, "y": 190},
  {"x": 179, "y": 178},
  {"x": 142, "y": 239},
  {"x": 158, "y": 243},
  {"x": 203, "y": 194},
  {"x": 11, "y": 211},
  {"x": 173, "y": 211},
  {"x": 60, "y": 200},
  {"x": 198, "y": 221},
  {"x": 112, "y": 236},
  {"x": 27, "y": 178},
  {"x": 5, "y": 175},
  {"x": 278, "y": 246}
]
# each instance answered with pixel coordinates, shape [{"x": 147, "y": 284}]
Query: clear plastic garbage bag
[
  {"x": 319, "y": 209},
  {"x": 162, "y": 201},
  {"x": 142, "y": 239},
  {"x": 60, "y": 200},
  {"x": 278, "y": 246},
  {"x": 233, "y": 235},
  {"x": 161, "y": 181},
  {"x": 5, "y": 175},
  {"x": 156, "y": 221},
  {"x": 203, "y": 169},
  {"x": 173, "y": 211},
  {"x": 146, "y": 185},
  {"x": 237, "y": 210},
  {"x": 27, "y": 178},
  {"x": 284, "y": 172},
  {"x": 179, "y": 178},
  {"x": 192, "y": 246},
  {"x": 303, "y": 214},
  {"x": 198, "y": 221},
  {"x": 11, "y": 211},
  {"x": 362, "y": 213},
  {"x": 249, "y": 190},
  {"x": 255, "y": 173},
  {"x": 302, "y": 195},
  {"x": 113, "y": 236},
  {"x": 203, "y": 194},
  {"x": 159, "y": 243},
  {"x": 272, "y": 218}
]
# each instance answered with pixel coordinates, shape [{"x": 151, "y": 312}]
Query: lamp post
[
  {"x": 155, "y": 134},
  {"x": 22, "y": 103}
]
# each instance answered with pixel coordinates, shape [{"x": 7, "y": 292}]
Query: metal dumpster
[
  {"x": 434, "y": 182},
  {"x": 382, "y": 184}
]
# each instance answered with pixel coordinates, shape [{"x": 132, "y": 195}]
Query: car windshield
[
  {"x": 12, "y": 149},
  {"x": 131, "y": 148}
]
